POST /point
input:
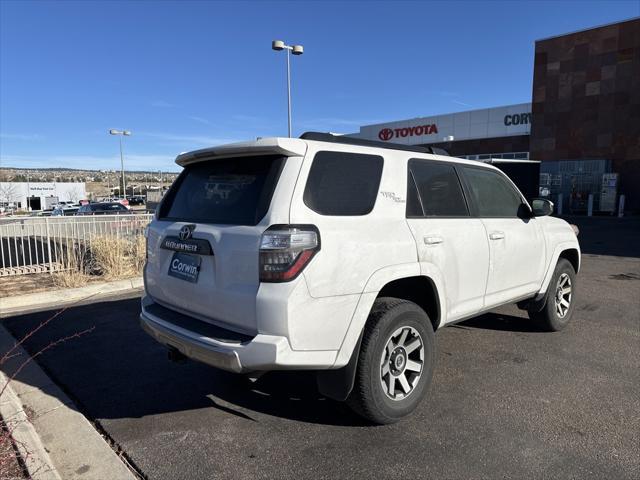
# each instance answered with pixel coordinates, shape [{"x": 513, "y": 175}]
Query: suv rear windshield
[{"x": 233, "y": 191}]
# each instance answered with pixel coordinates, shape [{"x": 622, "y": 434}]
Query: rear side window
[
  {"x": 492, "y": 193},
  {"x": 233, "y": 191},
  {"x": 434, "y": 190},
  {"x": 341, "y": 183}
]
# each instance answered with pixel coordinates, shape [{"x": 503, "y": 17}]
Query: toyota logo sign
[
  {"x": 417, "y": 130},
  {"x": 385, "y": 134},
  {"x": 185, "y": 232}
]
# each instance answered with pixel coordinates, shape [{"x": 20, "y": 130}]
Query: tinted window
[
  {"x": 438, "y": 190},
  {"x": 235, "y": 191},
  {"x": 492, "y": 193},
  {"x": 343, "y": 183}
]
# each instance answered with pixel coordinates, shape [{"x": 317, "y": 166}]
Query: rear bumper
[{"x": 260, "y": 353}]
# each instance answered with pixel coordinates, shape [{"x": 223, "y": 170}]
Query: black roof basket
[{"x": 329, "y": 137}]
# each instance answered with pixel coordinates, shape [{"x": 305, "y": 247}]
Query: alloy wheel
[
  {"x": 401, "y": 363},
  {"x": 563, "y": 295}
]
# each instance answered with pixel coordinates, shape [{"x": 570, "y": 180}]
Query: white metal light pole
[
  {"x": 28, "y": 193},
  {"x": 278, "y": 45},
  {"x": 120, "y": 134}
]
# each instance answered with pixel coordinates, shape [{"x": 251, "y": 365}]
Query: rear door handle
[
  {"x": 433, "y": 239},
  {"x": 496, "y": 235}
]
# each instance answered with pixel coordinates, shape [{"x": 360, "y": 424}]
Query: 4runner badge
[{"x": 392, "y": 196}]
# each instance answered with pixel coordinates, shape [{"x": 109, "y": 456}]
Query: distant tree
[
  {"x": 75, "y": 194},
  {"x": 9, "y": 192}
]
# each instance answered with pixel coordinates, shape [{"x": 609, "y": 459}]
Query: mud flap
[{"x": 337, "y": 384}]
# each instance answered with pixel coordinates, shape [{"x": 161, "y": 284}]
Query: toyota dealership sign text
[{"x": 389, "y": 133}]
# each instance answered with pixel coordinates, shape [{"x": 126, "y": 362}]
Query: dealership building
[
  {"x": 582, "y": 124},
  {"x": 39, "y": 195}
]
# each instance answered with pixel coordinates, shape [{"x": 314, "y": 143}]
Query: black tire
[
  {"x": 369, "y": 398},
  {"x": 549, "y": 317}
]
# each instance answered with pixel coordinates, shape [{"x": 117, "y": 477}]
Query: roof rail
[{"x": 328, "y": 137}]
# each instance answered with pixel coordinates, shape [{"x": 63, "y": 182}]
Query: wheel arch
[
  {"x": 422, "y": 290},
  {"x": 567, "y": 250},
  {"x": 388, "y": 280},
  {"x": 418, "y": 289},
  {"x": 573, "y": 256}
]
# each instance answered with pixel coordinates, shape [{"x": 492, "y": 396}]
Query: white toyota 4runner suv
[{"x": 342, "y": 256}]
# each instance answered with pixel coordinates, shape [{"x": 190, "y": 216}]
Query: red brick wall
[{"x": 586, "y": 100}]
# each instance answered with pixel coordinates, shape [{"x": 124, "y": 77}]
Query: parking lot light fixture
[
  {"x": 279, "y": 45},
  {"x": 120, "y": 134}
]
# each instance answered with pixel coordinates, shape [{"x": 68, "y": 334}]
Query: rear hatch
[{"x": 203, "y": 247}]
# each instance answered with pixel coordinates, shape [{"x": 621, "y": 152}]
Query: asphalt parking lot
[{"x": 507, "y": 401}]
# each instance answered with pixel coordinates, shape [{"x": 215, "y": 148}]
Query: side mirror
[{"x": 541, "y": 207}]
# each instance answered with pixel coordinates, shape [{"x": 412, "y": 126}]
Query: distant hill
[{"x": 12, "y": 174}]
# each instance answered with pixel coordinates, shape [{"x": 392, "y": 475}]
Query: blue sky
[{"x": 189, "y": 74}]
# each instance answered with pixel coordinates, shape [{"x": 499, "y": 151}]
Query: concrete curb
[
  {"x": 32, "y": 452},
  {"x": 58, "y": 298},
  {"x": 60, "y": 441}
]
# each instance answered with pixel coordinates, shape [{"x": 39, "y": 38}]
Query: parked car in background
[
  {"x": 65, "y": 205},
  {"x": 123, "y": 201},
  {"x": 7, "y": 209},
  {"x": 64, "y": 211},
  {"x": 136, "y": 200},
  {"x": 105, "y": 208}
]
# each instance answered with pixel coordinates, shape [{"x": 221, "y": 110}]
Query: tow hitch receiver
[{"x": 174, "y": 355}]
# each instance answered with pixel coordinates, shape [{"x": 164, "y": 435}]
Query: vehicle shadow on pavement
[
  {"x": 118, "y": 371},
  {"x": 614, "y": 236},
  {"x": 501, "y": 322}
]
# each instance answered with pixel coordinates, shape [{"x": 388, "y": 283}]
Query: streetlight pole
[
  {"x": 278, "y": 45},
  {"x": 28, "y": 193},
  {"x": 120, "y": 134},
  {"x": 124, "y": 184}
]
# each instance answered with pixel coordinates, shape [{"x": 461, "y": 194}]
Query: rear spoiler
[{"x": 290, "y": 147}]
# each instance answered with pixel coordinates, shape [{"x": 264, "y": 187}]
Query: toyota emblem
[
  {"x": 186, "y": 231},
  {"x": 385, "y": 134}
]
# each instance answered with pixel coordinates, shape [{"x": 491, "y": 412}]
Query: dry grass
[
  {"x": 70, "y": 279},
  {"x": 76, "y": 263},
  {"x": 108, "y": 258}
]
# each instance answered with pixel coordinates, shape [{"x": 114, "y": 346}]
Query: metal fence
[{"x": 47, "y": 244}]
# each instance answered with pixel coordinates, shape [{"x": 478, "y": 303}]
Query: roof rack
[{"x": 328, "y": 137}]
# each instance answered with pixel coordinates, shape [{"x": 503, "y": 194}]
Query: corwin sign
[
  {"x": 517, "y": 119},
  {"x": 388, "y": 133}
]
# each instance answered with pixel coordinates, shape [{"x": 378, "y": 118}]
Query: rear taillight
[{"x": 285, "y": 250}]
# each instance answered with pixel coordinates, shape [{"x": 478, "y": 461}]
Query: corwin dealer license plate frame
[{"x": 185, "y": 267}]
